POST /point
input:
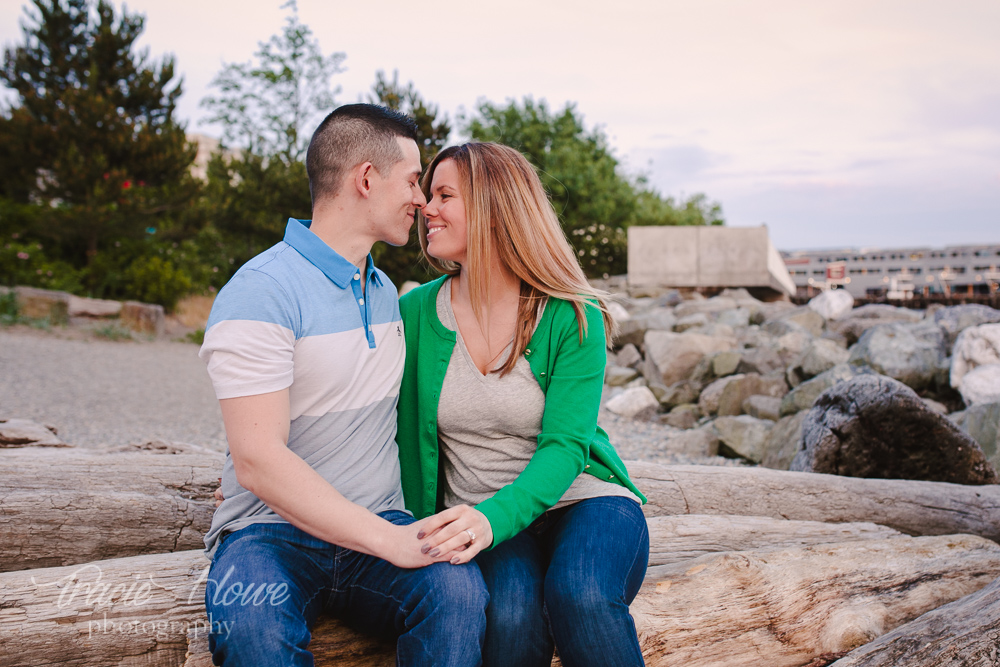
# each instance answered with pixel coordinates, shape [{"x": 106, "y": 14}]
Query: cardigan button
[
  {"x": 611, "y": 477},
  {"x": 587, "y": 466}
]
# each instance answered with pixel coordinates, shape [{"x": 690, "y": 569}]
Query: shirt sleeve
[
  {"x": 250, "y": 337},
  {"x": 569, "y": 421}
]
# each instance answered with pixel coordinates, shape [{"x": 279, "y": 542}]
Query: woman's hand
[
  {"x": 456, "y": 534},
  {"x": 218, "y": 495}
]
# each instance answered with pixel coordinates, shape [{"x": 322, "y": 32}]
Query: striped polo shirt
[{"x": 296, "y": 317}]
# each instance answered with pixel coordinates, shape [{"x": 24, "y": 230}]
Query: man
[{"x": 305, "y": 350}]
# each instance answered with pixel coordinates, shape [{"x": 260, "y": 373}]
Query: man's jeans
[
  {"x": 268, "y": 583},
  {"x": 570, "y": 576}
]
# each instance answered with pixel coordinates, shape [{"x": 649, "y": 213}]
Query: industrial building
[{"x": 897, "y": 273}]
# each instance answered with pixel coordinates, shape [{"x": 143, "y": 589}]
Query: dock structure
[{"x": 707, "y": 259}]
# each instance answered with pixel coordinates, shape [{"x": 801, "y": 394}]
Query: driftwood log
[
  {"x": 911, "y": 507},
  {"x": 965, "y": 632},
  {"x": 738, "y": 608},
  {"x": 62, "y": 507},
  {"x": 67, "y": 506}
]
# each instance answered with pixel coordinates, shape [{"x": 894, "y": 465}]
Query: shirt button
[
  {"x": 357, "y": 276},
  {"x": 361, "y": 301}
]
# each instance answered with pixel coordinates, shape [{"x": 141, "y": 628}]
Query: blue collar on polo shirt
[{"x": 323, "y": 257}]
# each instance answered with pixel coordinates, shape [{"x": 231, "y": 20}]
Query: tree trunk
[
  {"x": 965, "y": 632},
  {"x": 911, "y": 507},
  {"x": 61, "y": 507},
  {"x": 738, "y": 608}
]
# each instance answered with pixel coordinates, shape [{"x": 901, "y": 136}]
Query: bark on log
[
  {"x": 965, "y": 632},
  {"x": 911, "y": 507},
  {"x": 62, "y": 507},
  {"x": 745, "y": 608}
]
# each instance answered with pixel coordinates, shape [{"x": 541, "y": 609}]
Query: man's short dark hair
[{"x": 350, "y": 135}]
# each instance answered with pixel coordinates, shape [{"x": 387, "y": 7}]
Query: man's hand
[
  {"x": 448, "y": 535},
  {"x": 218, "y": 495}
]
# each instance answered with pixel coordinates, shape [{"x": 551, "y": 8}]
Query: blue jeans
[
  {"x": 269, "y": 582},
  {"x": 568, "y": 577}
]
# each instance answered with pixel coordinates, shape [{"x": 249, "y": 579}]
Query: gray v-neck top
[{"x": 488, "y": 425}]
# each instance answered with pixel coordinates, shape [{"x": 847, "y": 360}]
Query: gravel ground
[{"x": 100, "y": 392}]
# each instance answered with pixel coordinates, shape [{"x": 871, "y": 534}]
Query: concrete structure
[
  {"x": 706, "y": 258},
  {"x": 874, "y": 272}
]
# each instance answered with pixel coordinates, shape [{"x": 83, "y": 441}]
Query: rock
[
  {"x": 793, "y": 344},
  {"x": 976, "y": 346},
  {"x": 635, "y": 403},
  {"x": 143, "y": 317},
  {"x": 955, "y": 319},
  {"x": 935, "y": 407},
  {"x": 618, "y": 312},
  {"x": 982, "y": 422},
  {"x": 726, "y": 363},
  {"x": 681, "y": 393},
  {"x": 739, "y": 317},
  {"x": 81, "y": 307},
  {"x": 761, "y": 360},
  {"x": 675, "y": 355},
  {"x": 914, "y": 354},
  {"x": 629, "y": 356},
  {"x": 833, "y": 304},
  {"x": 820, "y": 355},
  {"x": 26, "y": 433},
  {"x": 690, "y": 322},
  {"x": 714, "y": 305},
  {"x": 805, "y": 317},
  {"x": 981, "y": 385},
  {"x": 633, "y": 330},
  {"x": 783, "y": 442},
  {"x": 407, "y": 286},
  {"x": 682, "y": 416},
  {"x": 708, "y": 402},
  {"x": 630, "y": 332},
  {"x": 803, "y": 396},
  {"x": 658, "y": 319},
  {"x": 742, "y": 437},
  {"x": 734, "y": 393},
  {"x": 617, "y": 376},
  {"x": 697, "y": 442},
  {"x": 863, "y": 318},
  {"x": 43, "y": 304},
  {"x": 763, "y": 407},
  {"x": 876, "y": 427}
]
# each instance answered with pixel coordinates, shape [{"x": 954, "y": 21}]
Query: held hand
[
  {"x": 404, "y": 548},
  {"x": 456, "y": 534},
  {"x": 218, "y": 494}
]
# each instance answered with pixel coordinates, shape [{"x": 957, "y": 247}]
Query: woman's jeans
[
  {"x": 268, "y": 583},
  {"x": 568, "y": 577}
]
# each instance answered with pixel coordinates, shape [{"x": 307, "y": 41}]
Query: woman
[{"x": 498, "y": 418}]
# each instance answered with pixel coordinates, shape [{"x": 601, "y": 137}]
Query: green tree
[
  {"x": 270, "y": 107},
  {"x": 433, "y": 129},
  {"x": 92, "y": 140},
  {"x": 595, "y": 201}
]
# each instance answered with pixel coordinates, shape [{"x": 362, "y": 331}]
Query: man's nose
[{"x": 420, "y": 201}]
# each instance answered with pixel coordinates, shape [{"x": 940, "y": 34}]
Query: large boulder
[
  {"x": 26, "y": 433},
  {"x": 802, "y": 397},
  {"x": 874, "y": 426},
  {"x": 636, "y": 402},
  {"x": 675, "y": 355},
  {"x": 819, "y": 356},
  {"x": 697, "y": 442},
  {"x": 708, "y": 402},
  {"x": 975, "y": 346},
  {"x": 861, "y": 319},
  {"x": 43, "y": 304},
  {"x": 981, "y": 385},
  {"x": 633, "y": 330},
  {"x": 735, "y": 393},
  {"x": 955, "y": 319},
  {"x": 805, "y": 317},
  {"x": 915, "y": 354},
  {"x": 783, "y": 442},
  {"x": 716, "y": 304},
  {"x": 833, "y": 304},
  {"x": 763, "y": 407},
  {"x": 83, "y": 307},
  {"x": 742, "y": 437},
  {"x": 982, "y": 422},
  {"x": 144, "y": 318}
]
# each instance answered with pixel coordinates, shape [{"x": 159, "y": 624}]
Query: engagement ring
[{"x": 472, "y": 536}]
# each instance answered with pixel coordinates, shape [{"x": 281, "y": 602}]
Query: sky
[{"x": 856, "y": 123}]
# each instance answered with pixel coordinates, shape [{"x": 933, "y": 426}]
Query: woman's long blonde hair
[{"x": 509, "y": 216}]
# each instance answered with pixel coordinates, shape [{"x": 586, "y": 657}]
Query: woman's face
[{"x": 447, "y": 237}]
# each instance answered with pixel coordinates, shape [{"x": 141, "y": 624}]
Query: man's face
[{"x": 396, "y": 196}]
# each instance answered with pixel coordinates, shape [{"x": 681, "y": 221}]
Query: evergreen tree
[{"x": 92, "y": 139}]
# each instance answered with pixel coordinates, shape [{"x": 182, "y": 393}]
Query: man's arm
[{"x": 257, "y": 430}]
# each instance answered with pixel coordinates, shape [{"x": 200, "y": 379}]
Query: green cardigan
[{"x": 570, "y": 374}]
